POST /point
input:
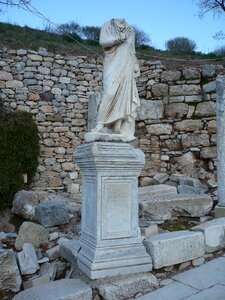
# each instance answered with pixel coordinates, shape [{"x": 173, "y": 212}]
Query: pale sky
[{"x": 160, "y": 19}]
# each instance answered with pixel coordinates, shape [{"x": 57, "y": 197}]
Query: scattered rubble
[{"x": 47, "y": 252}]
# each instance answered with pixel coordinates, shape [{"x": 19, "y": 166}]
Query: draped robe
[{"x": 120, "y": 96}]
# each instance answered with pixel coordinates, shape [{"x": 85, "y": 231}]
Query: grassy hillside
[{"x": 16, "y": 37}]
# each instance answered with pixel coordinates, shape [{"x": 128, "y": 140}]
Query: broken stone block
[
  {"x": 212, "y": 184},
  {"x": 176, "y": 177},
  {"x": 53, "y": 253},
  {"x": 31, "y": 233},
  {"x": 214, "y": 234},
  {"x": 145, "y": 181},
  {"x": 129, "y": 286},
  {"x": 24, "y": 204},
  {"x": 190, "y": 181},
  {"x": 156, "y": 190},
  {"x": 161, "y": 177},
  {"x": 48, "y": 269},
  {"x": 149, "y": 230},
  {"x": 52, "y": 213},
  {"x": 167, "y": 206},
  {"x": 187, "y": 189},
  {"x": 28, "y": 261},
  {"x": 69, "y": 250},
  {"x": 9, "y": 272},
  {"x": 176, "y": 247},
  {"x": 36, "y": 281},
  {"x": 63, "y": 289}
]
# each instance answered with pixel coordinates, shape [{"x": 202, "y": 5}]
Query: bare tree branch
[
  {"x": 217, "y": 7},
  {"x": 219, "y": 35},
  {"x": 15, "y": 3}
]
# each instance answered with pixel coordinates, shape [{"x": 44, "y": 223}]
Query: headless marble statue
[{"x": 118, "y": 106}]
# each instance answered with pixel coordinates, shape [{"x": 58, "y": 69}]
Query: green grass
[{"x": 16, "y": 37}]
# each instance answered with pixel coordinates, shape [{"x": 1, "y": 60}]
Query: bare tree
[
  {"x": 217, "y": 7},
  {"x": 180, "y": 44},
  {"x": 18, "y": 3},
  {"x": 71, "y": 27},
  {"x": 141, "y": 38}
]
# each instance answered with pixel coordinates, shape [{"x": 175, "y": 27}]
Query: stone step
[
  {"x": 165, "y": 207},
  {"x": 176, "y": 247},
  {"x": 151, "y": 191},
  {"x": 63, "y": 289}
]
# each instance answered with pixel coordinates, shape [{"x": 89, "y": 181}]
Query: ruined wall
[{"x": 176, "y": 123}]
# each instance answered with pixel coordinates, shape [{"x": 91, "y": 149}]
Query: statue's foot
[
  {"x": 117, "y": 127},
  {"x": 97, "y": 128}
]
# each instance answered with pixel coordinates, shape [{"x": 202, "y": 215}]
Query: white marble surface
[
  {"x": 214, "y": 234},
  {"x": 172, "y": 248},
  {"x": 120, "y": 99},
  {"x": 220, "y": 110},
  {"x": 111, "y": 243}
]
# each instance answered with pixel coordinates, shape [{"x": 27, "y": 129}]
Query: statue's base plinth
[
  {"x": 107, "y": 137},
  {"x": 111, "y": 242}
]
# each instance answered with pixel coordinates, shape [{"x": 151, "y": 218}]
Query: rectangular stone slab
[
  {"x": 167, "y": 206},
  {"x": 172, "y": 248}
]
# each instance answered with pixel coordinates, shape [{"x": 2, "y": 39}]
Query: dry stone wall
[{"x": 176, "y": 125}]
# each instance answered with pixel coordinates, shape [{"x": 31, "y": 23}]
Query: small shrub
[
  {"x": 180, "y": 44},
  {"x": 19, "y": 149}
]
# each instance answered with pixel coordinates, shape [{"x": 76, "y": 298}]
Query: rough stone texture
[
  {"x": 24, "y": 204},
  {"x": 69, "y": 250},
  {"x": 52, "y": 213},
  {"x": 56, "y": 91},
  {"x": 28, "y": 261},
  {"x": 188, "y": 125},
  {"x": 172, "y": 248},
  {"x": 187, "y": 189},
  {"x": 205, "y": 109},
  {"x": 156, "y": 190},
  {"x": 149, "y": 230},
  {"x": 161, "y": 178},
  {"x": 64, "y": 289},
  {"x": 9, "y": 272},
  {"x": 36, "y": 281},
  {"x": 5, "y": 76},
  {"x": 214, "y": 233},
  {"x": 158, "y": 129},
  {"x": 128, "y": 287},
  {"x": 150, "y": 109},
  {"x": 176, "y": 110},
  {"x": 31, "y": 233},
  {"x": 53, "y": 253},
  {"x": 168, "y": 206}
]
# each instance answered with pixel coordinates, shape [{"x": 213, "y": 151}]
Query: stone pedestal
[
  {"x": 110, "y": 239},
  {"x": 220, "y": 116}
]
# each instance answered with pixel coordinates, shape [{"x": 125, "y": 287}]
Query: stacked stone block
[{"x": 176, "y": 125}]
